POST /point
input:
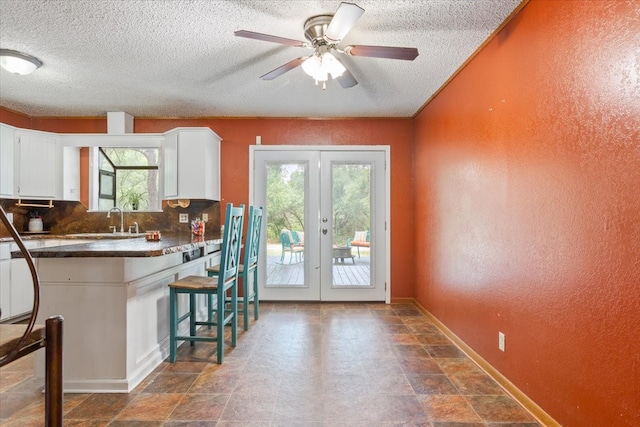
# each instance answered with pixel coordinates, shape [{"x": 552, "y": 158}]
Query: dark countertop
[{"x": 122, "y": 247}]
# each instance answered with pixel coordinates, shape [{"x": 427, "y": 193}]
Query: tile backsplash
[{"x": 72, "y": 217}]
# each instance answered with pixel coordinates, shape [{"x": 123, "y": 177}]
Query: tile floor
[{"x": 300, "y": 365}]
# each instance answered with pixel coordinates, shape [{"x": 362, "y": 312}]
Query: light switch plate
[{"x": 183, "y": 218}]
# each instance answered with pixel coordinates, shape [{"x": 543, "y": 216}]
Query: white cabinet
[
  {"x": 36, "y": 166},
  {"x": 5, "y": 280},
  {"x": 70, "y": 174},
  {"x": 45, "y": 165},
  {"x": 7, "y": 134},
  {"x": 37, "y": 162},
  {"x": 16, "y": 285},
  {"x": 5, "y": 289},
  {"x": 21, "y": 287},
  {"x": 191, "y": 161},
  {"x": 170, "y": 165}
]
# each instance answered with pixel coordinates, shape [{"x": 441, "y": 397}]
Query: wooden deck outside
[{"x": 344, "y": 274}]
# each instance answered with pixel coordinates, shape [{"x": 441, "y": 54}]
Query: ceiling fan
[{"x": 324, "y": 33}]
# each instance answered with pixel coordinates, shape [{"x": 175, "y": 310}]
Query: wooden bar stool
[
  {"x": 248, "y": 270},
  {"x": 219, "y": 286}
]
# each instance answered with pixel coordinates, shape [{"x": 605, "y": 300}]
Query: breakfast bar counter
[
  {"x": 113, "y": 294},
  {"x": 114, "y": 245}
]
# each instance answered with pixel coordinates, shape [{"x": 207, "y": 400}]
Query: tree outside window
[{"x": 128, "y": 178}]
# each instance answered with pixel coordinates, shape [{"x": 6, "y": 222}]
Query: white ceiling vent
[{"x": 119, "y": 123}]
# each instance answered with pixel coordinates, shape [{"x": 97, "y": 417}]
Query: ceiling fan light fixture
[
  {"x": 332, "y": 65},
  {"x": 313, "y": 67},
  {"x": 321, "y": 66},
  {"x": 325, "y": 33},
  {"x": 18, "y": 63}
]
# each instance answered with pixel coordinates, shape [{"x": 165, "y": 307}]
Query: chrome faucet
[
  {"x": 121, "y": 217},
  {"x": 135, "y": 224}
]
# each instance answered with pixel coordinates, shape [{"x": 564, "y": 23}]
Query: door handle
[{"x": 324, "y": 231}]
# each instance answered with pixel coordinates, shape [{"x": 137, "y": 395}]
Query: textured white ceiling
[{"x": 179, "y": 58}]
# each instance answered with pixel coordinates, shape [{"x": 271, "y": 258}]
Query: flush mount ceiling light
[{"x": 18, "y": 63}]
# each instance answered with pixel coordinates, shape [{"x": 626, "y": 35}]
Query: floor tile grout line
[{"x": 385, "y": 327}]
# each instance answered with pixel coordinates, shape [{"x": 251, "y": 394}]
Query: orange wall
[
  {"x": 15, "y": 119},
  {"x": 239, "y": 134},
  {"x": 528, "y": 207}
]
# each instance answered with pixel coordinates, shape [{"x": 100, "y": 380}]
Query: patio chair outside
[
  {"x": 291, "y": 243},
  {"x": 360, "y": 240}
]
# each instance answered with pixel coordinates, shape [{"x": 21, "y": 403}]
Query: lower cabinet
[
  {"x": 21, "y": 288},
  {"x": 16, "y": 285},
  {"x": 5, "y": 289}
]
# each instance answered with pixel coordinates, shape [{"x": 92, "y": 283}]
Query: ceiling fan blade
[
  {"x": 284, "y": 68},
  {"x": 347, "y": 80},
  {"x": 343, "y": 21},
  {"x": 389, "y": 52},
  {"x": 270, "y": 38}
]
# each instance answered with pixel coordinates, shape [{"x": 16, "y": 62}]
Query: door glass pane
[
  {"x": 351, "y": 201},
  {"x": 285, "y": 207}
]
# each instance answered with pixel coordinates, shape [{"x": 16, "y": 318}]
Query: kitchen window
[{"x": 128, "y": 177}]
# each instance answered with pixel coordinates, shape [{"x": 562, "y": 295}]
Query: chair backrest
[
  {"x": 298, "y": 237},
  {"x": 361, "y": 236},
  {"x": 286, "y": 238},
  {"x": 252, "y": 242},
  {"x": 231, "y": 244}
]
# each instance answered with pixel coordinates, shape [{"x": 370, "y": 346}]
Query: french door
[{"x": 325, "y": 235}]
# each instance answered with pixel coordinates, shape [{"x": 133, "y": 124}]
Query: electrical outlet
[
  {"x": 183, "y": 218},
  {"x": 501, "y": 341},
  {"x": 205, "y": 217}
]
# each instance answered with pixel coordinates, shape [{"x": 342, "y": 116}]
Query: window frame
[{"x": 95, "y": 174}]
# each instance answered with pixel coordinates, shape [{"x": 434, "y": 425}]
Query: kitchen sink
[{"x": 111, "y": 235}]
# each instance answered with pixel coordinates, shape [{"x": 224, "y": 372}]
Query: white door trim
[{"x": 387, "y": 220}]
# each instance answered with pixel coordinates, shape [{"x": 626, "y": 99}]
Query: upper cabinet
[
  {"x": 40, "y": 166},
  {"x": 7, "y": 134},
  {"x": 170, "y": 165},
  {"x": 45, "y": 165},
  {"x": 37, "y": 160},
  {"x": 191, "y": 163},
  {"x": 70, "y": 174}
]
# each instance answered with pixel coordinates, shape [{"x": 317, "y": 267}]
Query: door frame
[{"x": 387, "y": 196}]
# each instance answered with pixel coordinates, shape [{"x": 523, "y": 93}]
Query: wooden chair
[
  {"x": 248, "y": 270},
  {"x": 225, "y": 314}
]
